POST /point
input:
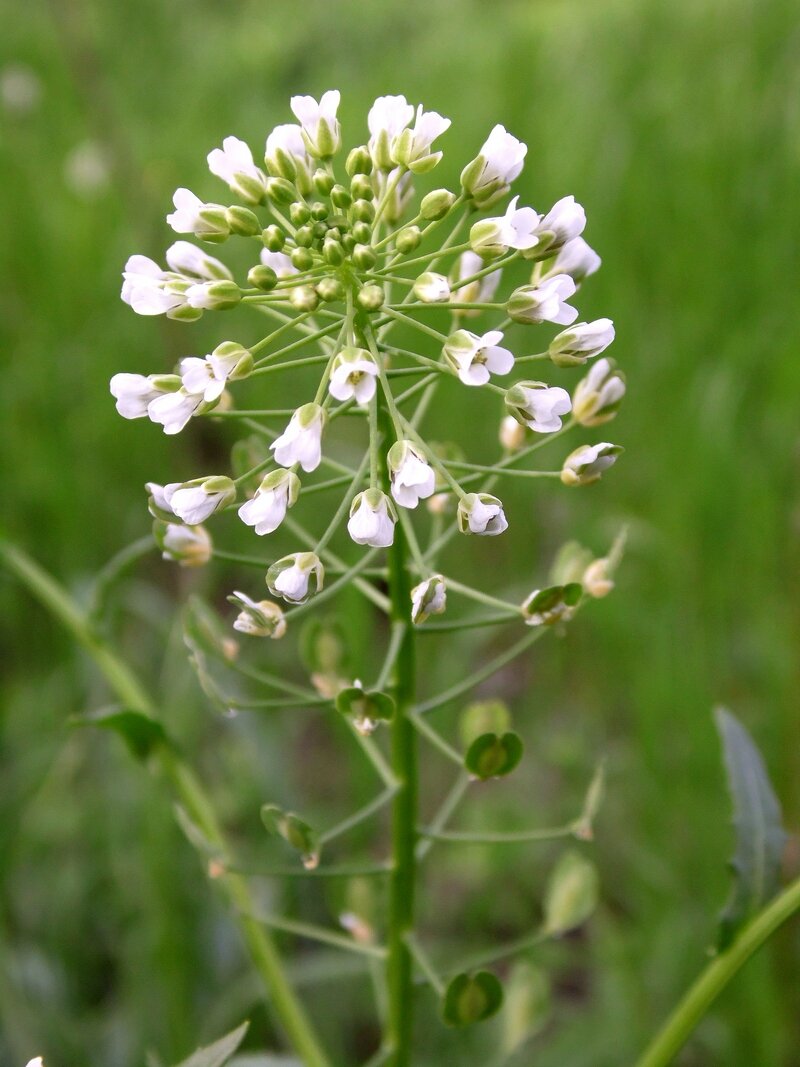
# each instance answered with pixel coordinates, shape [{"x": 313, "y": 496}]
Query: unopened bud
[
  {"x": 370, "y": 297},
  {"x": 281, "y": 191},
  {"x": 364, "y": 257},
  {"x": 362, "y": 211},
  {"x": 436, "y": 204},
  {"x": 408, "y": 239},
  {"x": 361, "y": 188},
  {"x": 432, "y": 288},
  {"x": 359, "y": 161},
  {"x": 299, "y": 213},
  {"x": 303, "y": 298},
  {"x": 302, "y": 259},
  {"x": 262, "y": 277},
  {"x": 512, "y": 434},
  {"x": 323, "y": 181},
  {"x": 330, "y": 289},
  {"x": 242, "y": 221},
  {"x": 340, "y": 197},
  {"x": 274, "y": 238}
]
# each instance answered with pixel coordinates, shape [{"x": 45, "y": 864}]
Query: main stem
[{"x": 404, "y": 808}]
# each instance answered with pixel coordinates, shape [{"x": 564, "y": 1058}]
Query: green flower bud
[
  {"x": 304, "y": 238},
  {"x": 330, "y": 289},
  {"x": 281, "y": 191},
  {"x": 359, "y": 161},
  {"x": 323, "y": 181},
  {"x": 302, "y": 259},
  {"x": 242, "y": 221},
  {"x": 340, "y": 197},
  {"x": 333, "y": 252},
  {"x": 274, "y": 238},
  {"x": 319, "y": 211},
  {"x": 362, "y": 233},
  {"x": 262, "y": 277},
  {"x": 371, "y": 297},
  {"x": 364, "y": 257},
  {"x": 361, "y": 188},
  {"x": 303, "y": 298},
  {"x": 436, "y": 204},
  {"x": 299, "y": 213},
  {"x": 362, "y": 211},
  {"x": 408, "y": 239}
]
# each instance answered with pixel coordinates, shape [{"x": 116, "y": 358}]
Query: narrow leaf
[
  {"x": 760, "y": 837},
  {"x": 219, "y": 1053},
  {"x": 139, "y": 732}
]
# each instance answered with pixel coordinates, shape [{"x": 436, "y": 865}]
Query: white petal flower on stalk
[
  {"x": 538, "y": 406},
  {"x": 301, "y": 441},
  {"x": 387, "y": 119},
  {"x": 586, "y": 464},
  {"x": 258, "y": 618},
  {"x": 174, "y": 410},
  {"x": 565, "y": 221},
  {"x": 319, "y": 123},
  {"x": 413, "y": 147},
  {"x": 234, "y": 164},
  {"x": 228, "y": 362},
  {"x": 581, "y": 342},
  {"x": 196, "y": 500},
  {"x": 428, "y": 598},
  {"x": 353, "y": 376},
  {"x": 512, "y": 434},
  {"x": 188, "y": 546},
  {"x": 37, "y": 1062},
  {"x": 144, "y": 288},
  {"x": 372, "y": 519},
  {"x": 291, "y": 577},
  {"x": 287, "y": 157},
  {"x": 476, "y": 358},
  {"x": 498, "y": 163},
  {"x": 516, "y": 229},
  {"x": 192, "y": 215},
  {"x": 545, "y": 302},
  {"x": 157, "y": 503},
  {"x": 432, "y": 288},
  {"x": 480, "y": 291},
  {"x": 577, "y": 259},
  {"x": 267, "y": 509},
  {"x": 133, "y": 392},
  {"x": 413, "y": 479},
  {"x": 598, "y": 396},
  {"x": 213, "y": 296},
  {"x": 189, "y": 261},
  {"x": 279, "y": 262},
  {"x": 481, "y": 513}
]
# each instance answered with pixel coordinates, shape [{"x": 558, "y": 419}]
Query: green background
[{"x": 677, "y": 125}]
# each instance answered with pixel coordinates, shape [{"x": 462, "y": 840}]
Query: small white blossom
[
  {"x": 301, "y": 441},
  {"x": 581, "y": 342},
  {"x": 577, "y": 259},
  {"x": 279, "y": 262},
  {"x": 372, "y": 519},
  {"x": 538, "y": 406},
  {"x": 598, "y": 396},
  {"x": 564, "y": 222},
  {"x": 512, "y": 434},
  {"x": 157, "y": 503},
  {"x": 319, "y": 123},
  {"x": 188, "y": 546},
  {"x": 213, "y": 296},
  {"x": 266, "y": 511},
  {"x": 432, "y": 288},
  {"x": 174, "y": 410},
  {"x": 475, "y": 358},
  {"x": 353, "y": 376},
  {"x": 596, "y": 578},
  {"x": 387, "y": 119},
  {"x": 498, "y": 163},
  {"x": 412, "y": 477},
  {"x": 37, "y": 1062},
  {"x": 192, "y": 215},
  {"x": 479, "y": 291},
  {"x": 188, "y": 261},
  {"x": 287, "y": 157},
  {"x": 234, "y": 164},
  {"x": 546, "y": 607},
  {"x": 198, "y": 499},
  {"x": 428, "y": 598},
  {"x": 413, "y": 147},
  {"x": 586, "y": 464},
  {"x": 481, "y": 513},
  {"x": 133, "y": 392},
  {"x": 545, "y": 302},
  {"x": 516, "y": 229},
  {"x": 209, "y": 376},
  {"x": 258, "y": 618},
  {"x": 144, "y": 288},
  {"x": 290, "y": 577}
]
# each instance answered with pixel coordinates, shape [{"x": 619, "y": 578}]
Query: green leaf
[
  {"x": 294, "y": 831},
  {"x": 571, "y": 894},
  {"x": 471, "y": 998},
  {"x": 139, "y": 732},
  {"x": 760, "y": 837},
  {"x": 490, "y": 756},
  {"x": 219, "y": 1053}
]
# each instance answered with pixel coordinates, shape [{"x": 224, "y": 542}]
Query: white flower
[
  {"x": 412, "y": 147},
  {"x": 233, "y": 163},
  {"x": 37, "y": 1062},
  {"x": 428, "y": 598},
  {"x": 498, "y": 163},
  {"x": 353, "y": 376},
  {"x": 475, "y": 358},
  {"x": 387, "y": 119},
  {"x": 258, "y": 618},
  {"x": 196, "y": 500},
  {"x": 189, "y": 261},
  {"x": 538, "y": 406},
  {"x": 479, "y": 291},
  {"x": 144, "y": 288},
  {"x": 480, "y": 513},
  {"x": 279, "y": 262},
  {"x": 577, "y": 259},
  {"x": 587, "y": 463},
  {"x": 516, "y": 229},
  {"x": 134, "y": 392},
  {"x": 188, "y": 546},
  {"x": 287, "y": 157},
  {"x": 192, "y": 215},
  {"x": 290, "y": 577},
  {"x": 545, "y": 302},
  {"x": 173, "y": 410},
  {"x": 319, "y": 123},
  {"x": 213, "y": 296},
  {"x": 157, "y": 502},
  {"x": 432, "y": 288},
  {"x": 228, "y": 362},
  {"x": 512, "y": 434},
  {"x": 546, "y": 607},
  {"x": 598, "y": 396},
  {"x": 266, "y": 511},
  {"x": 581, "y": 342},
  {"x": 564, "y": 222},
  {"x": 372, "y": 519},
  {"x": 301, "y": 441},
  {"x": 413, "y": 478}
]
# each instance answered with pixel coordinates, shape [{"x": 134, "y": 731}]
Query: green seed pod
[
  {"x": 359, "y": 161},
  {"x": 281, "y": 191},
  {"x": 299, "y": 213},
  {"x": 362, "y": 211},
  {"x": 362, "y": 233},
  {"x": 333, "y": 252},
  {"x": 571, "y": 894},
  {"x": 364, "y": 257},
  {"x": 262, "y": 277},
  {"x": 436, "y": 204},
  {"x": 242, "y": 221},
  {"x": 274, "y": 238},
  {"x": 340, "y": 197},
  {"x": 319, "y": 211},
  {"x": 471, "y": 998},
  {"x": 302, "y": 259},
  {"x": 330, "y": 289},
  {"x": 370, "y": 298},
  {"x": 408, "y": 239},
  {"x": 303, "y": 298},
  {"x": 361, "y": 188},
  {"x": 323, "y": 181},
  {"x": 304, "y": 238}
]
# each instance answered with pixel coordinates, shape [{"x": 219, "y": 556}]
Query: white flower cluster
[{"x": 340, "y": 259}]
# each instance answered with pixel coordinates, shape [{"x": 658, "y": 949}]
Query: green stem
[
  {"x": 676, "y": 1031},
  {"x": 192, "y": 798}
]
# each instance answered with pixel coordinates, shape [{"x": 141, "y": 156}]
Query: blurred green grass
[{"x": 677, "y": 125}]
